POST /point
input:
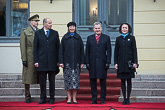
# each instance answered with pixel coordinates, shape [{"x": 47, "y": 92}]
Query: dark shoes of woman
[
  {"x": 75, "y": 103},
  {"x": 126, "y": 102},
  {"x": 68, "y": 102}
]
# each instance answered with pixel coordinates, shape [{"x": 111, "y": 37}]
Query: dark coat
[
  {"x": 46, "y": 50},
  {"x": 97, "y": 55},
  {"x": 71, "y": 51},
  {"x": 125, "y": 50}
]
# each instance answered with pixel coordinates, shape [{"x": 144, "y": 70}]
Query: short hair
[
  {"x": 45, "y": 20},
  {"x": 97, "y": 23},
  {"x": 129, "y": 28}
]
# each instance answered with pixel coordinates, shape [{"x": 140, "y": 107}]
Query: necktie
[{"x": 47, "y": 33}]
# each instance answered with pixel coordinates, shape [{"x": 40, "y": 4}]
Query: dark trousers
[
  {"x": 43, "y": 79},
  {"x": 27, "y": 91},
  {"x": 93, "y": 83}
]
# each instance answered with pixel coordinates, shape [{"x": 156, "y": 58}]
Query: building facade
[{"x": 145, "y": 16}]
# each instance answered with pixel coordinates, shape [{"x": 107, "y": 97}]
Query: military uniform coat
[
  {"x": 125, "y": 50},
  {"x": 29, "y": 74},
  {"x": 97, "y": 55},
  {"x": 46, "y": 50}
]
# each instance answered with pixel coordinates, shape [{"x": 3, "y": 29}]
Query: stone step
[
  {"x": 152, "y": 99},
  {"x": 34, "y": 91},
  {"x": 5, "y": 76},
  {"x": 149, "y": 78},
  {"x": 34, "y": 98},
  {"x": 18, "y": 84},
  {"x": 148, "y": 84},
  {"x": 147, "y": 92}
]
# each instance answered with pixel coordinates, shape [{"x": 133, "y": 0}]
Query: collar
[
  {"x": 96, "y": 35},
  {"x": 67, "y": 36},
  {"x": 33, "y": 28},
  {"x": 124, "y": 35},
  {"x": 71, "y": 34},
  {"x": 45, "y": 30}
]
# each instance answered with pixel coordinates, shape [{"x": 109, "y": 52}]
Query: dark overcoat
[
  {"x": 97, "y": 55},
  {"x": 71, "y": 51},
  {"x": 46, "y": 50},
  {"x": 29, "y": 73},
  {"x": 125, "y": 50}
]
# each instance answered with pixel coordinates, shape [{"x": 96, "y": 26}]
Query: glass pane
[
  {"x": 3, "y": 18},
  {"x": 117, "y": 12},
  {"x": 88, "y": 12},
  {"x": 19, "y": 15}
]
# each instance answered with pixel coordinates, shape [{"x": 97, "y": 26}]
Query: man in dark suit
[
  {"x": 98, "y": 59},
  {"x": 46, "y": 47}
]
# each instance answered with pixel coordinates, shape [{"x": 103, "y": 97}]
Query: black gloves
[
  {"x": 25, "y": 63},
  {"x": 88, "y": 67},
  {"x": 107, "y": 66}
]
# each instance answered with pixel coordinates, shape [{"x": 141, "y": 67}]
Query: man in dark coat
[
  {"x": 98, "y": 59},
  {"x": 29, "y": 73},
  {"x": 46, "y": 47}
]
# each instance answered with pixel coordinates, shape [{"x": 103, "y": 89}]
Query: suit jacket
[
  {"x": 97, "y": 55},
  {"x": 125, "y": 50},
  {"x": 46, "y": 50}
]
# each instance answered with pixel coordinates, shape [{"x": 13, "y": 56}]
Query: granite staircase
[
  {"x": 12, "y": 89},
  {"x": 147, "y": 88}
]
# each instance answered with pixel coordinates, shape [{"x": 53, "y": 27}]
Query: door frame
[{"x": 114, "y": 29}]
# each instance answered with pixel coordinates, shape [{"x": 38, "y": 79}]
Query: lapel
[
  {"x": 94, "y": 39},
  {"x": 101, "y": 39},
  {"x": 43, "y": 33},
  {"x": 31, "y": 32}
]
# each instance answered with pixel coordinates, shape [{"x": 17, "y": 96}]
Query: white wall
[{"x": 10, "y": 58}]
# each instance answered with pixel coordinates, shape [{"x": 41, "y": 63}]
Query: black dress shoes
[
  {"x": 124, "y": 102},
  {"x": 93, "y": 102},
  {"x": 51, "y": 101},
  {"x": 42, "y": 101},
  {"x": 28, "y": 101},
  {"x": 68, "y": 102},
  {"x": 75, "y": 103},
  {"x": 128, "y": 102},
  {"x": 102, "y": 102}
]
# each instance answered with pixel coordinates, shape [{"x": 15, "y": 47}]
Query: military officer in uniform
[{"x": 29, "y": 73}]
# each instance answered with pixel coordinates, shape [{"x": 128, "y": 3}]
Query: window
[
  {"x": 117, "y": 12},
  {"x": 2, "y": 18},
  {"x": 13, "y": 17},
  {"x": 87, "y": 12}
]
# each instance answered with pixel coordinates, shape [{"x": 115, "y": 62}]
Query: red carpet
[
  {"x": 61, "y": 105},
  {"x": 113, "y": 88}
]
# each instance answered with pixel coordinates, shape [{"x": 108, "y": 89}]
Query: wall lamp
[
  {"x": 154, "y": 0},
  {"x": 51, "y": 1}
]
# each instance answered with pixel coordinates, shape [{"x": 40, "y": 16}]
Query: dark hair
[{"x": 129, "y": 28}]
